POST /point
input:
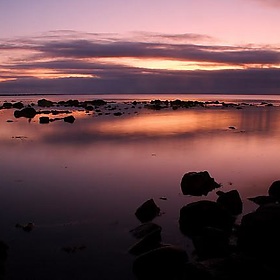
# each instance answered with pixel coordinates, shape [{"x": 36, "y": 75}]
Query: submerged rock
[{"x": 167, "y": 262}]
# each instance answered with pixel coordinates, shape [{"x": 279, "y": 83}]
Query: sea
[{"x": 76, "y": 186}]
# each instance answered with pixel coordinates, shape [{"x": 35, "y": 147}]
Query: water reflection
[{"x": 81, "y": 182}]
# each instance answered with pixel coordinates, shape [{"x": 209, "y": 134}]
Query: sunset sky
[{"x": 121, "y": 46}]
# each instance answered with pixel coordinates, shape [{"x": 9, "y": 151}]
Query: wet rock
[
  {"x": 263, "y": 199},
  {"x": 162, "y": 263},
  {"x": 3, "y": 257},
  {"x": 259, "y": 232},
  {"x": 28, "y": 112},
  {"x": 7, "y": 105},
  {"x": 44, "y": 103},
  {"x": 69, "y": 119},
  {"x": 211, "y": 243},
  {"x": 3, "y": 251},
  {"x": 18, "y": 105},
  {"x": 150, "y": 241},
  {"x": 147, "y": 211},
  {"x": 196, "y": 216},
  {"x": 231, "y": 201},
  {"x": 145, "y": 229},
  {"x": 235, "y": 266},
  {"x": 198, "y": 183},
  {"x": 274, "y": 190},
  {"x": 44, "y": 120}
]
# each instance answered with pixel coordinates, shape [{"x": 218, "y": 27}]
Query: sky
[{"x": 121, "y": 46}]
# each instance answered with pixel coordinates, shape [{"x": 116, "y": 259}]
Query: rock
[
  {"x": 69, "y": 119},
  {"x": 263, "y": 199},
  {"x": 3, "y": 251},
  {"x": 44, "y": 103},
  {"x": 274, "y": 190},
  {"x": 196, "y": 216},
  {"x": 235, "y": 266},
  {"x": 145, "y": 229},
  {"x": 7, "y": 105},
  {"x": 28, "y": 112},
  {"x": 198, "y": 183},
  {"x": 149, "y": 242},
  {"x": 259, "y": 232},
  {"x": 231, "y": 201},
  {"x": 147, "y": 211},
  {"x": 162, "y": 263},
  {"x": 18, "y": 105},
  {"x": 44, "y": 120},
  {"x": 211, "y": 243}
]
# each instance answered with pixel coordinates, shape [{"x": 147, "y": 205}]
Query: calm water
[{"x": 81, "y": 183}]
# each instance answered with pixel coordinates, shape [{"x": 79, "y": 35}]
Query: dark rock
[
  {"x": 162, "y": 263},
  {"x": 259, "y": 232},
  {"x": 7, "y": 105},
  {"x": 69, "y": 119},
  {"x": 3, "y": 251},
  {"x": 147, "y": 211},
  {"x": 45, "y": 103},
  {"x": 211, "y": 243},
  {"x": 263, "y": 199},
  {"x": 44, "y": 120},
  {"x": 28, "y": 112},
  {"x": 18, "y": 105},
  {"x": 196, "y": 216},
  {"x": 145, "y": 229},
  {"x": 231, "y": 201},
  {"x": 149, "y": 242},
  {"x": 235, "y": 266},
  {"x": 198, "y": 183},
  {"x": 274, "y": 190}
]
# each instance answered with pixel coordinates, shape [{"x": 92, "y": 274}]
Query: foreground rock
[
  {"x": 223, "y": 248},
  {"x": 149, "y": 238},
  {"x": 147, "y": 211},
  {"x": 198, "y": 183},
  {"x": 167, "y": 262},
  {"x": 196, "y": 216}
]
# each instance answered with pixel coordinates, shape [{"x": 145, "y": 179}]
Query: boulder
[
  {"x": 196, "y": 216},
  {"x": 274, "y": 190},
  {"x": 198, "y": 183},
  {"x": 259, "y": 232},
  {"x": 231, "y": 201}
]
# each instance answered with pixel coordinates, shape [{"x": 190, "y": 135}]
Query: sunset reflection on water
[{"x": 94, "y": 173}]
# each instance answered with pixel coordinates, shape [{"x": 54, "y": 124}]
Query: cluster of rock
[
  {"x": 95, "y": 105},
  {"x": 224, "y": 249}
]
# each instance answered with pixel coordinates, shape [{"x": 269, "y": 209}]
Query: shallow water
[{"x": 81, "y": 183}]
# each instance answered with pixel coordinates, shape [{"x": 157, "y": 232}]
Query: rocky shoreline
[{"x": 224, "y": 249}]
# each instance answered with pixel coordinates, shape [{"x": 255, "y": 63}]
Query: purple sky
[{"x": 118, "y": 46}]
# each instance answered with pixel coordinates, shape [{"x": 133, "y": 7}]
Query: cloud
[
  {"x": 252, "y": 81},
  {"x": 101, "y": 63}
]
